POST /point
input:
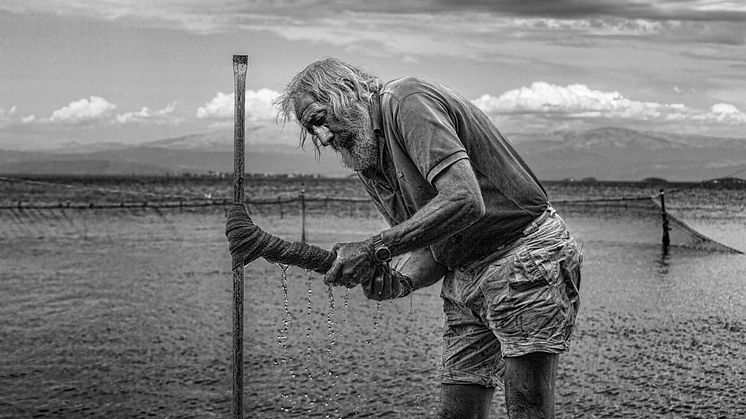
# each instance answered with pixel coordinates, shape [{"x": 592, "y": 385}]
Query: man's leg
[
  {"x": 467, "y": 401},
  {"x": 529, "y": 385}
]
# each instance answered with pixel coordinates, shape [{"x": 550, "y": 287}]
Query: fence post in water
[
  {"x": 302, "y": 213},
  {"x": 666, "y": 240},
  {"x": 240, "y": 62}
]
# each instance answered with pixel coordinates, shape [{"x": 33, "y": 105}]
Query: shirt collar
[{"x": 375, "y": 114}]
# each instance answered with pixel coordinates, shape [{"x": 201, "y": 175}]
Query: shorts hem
[
  {"x": 510, "y": 350},
  {"x": 460, "y": 377}
]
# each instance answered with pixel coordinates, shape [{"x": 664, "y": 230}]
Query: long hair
[{"x": 335, "y": 84}]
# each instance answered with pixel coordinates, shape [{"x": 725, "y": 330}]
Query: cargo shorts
[{"x": 519, "y": 300}]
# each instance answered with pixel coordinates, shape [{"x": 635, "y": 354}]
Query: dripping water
[
  {"x": 307, "y": 371},
  {"x": 333, "y": 372},
  {"x": 377, "y": 348},
  {"x": 362, "y": 361},
  {"x": 283, "y": 336}
]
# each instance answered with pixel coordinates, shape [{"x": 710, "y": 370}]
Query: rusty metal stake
[{"x": 240, "y": 63}]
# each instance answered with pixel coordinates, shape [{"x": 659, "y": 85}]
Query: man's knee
[
  {"x": 529, "y": 385},
  {"x": 469, "y": 401}
]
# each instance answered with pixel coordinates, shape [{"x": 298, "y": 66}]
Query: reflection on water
[
  {"x": 136, "y": 323},
  {"x": 662, "y": 262}
]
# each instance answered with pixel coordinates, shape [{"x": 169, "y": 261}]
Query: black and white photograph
[{"x": 395, "y": 209}]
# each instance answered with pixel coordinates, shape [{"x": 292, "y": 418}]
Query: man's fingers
[
  {"x": 386, "y": 291},
  {"x": 367, "y": 288},
  {"x": 331, "y": 276}
]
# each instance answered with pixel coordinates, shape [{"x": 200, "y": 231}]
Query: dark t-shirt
[{"x": 423, "y": 128}]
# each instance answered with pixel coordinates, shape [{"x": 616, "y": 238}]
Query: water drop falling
[
  {"x": 307, "y": 369},
  {"x": 283, "y": 336},
  {"x": 374, "y": 364},
  {"x": 333, "y": 362}
]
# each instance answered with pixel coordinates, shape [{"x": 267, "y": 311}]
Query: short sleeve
[{"x": 428, "y": 134}]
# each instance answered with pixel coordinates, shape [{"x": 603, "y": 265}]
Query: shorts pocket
[{"x": 534, "y": 268}]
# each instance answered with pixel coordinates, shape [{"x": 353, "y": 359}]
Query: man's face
[{"x": 350, "y": 134}]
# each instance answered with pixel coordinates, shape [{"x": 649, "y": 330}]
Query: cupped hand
[
  {"x": 386, "y": 285},
  {"x": 354, "y": 265}
]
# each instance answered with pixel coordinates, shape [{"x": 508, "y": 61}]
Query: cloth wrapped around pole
[{"x": 248, "y": 242}]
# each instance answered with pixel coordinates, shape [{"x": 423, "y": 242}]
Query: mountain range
[{"x": 608, "y": 153}]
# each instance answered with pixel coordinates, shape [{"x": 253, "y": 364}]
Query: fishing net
[
  {"x": 648, "y": 220},
  {"x": 33, "y": 208}
]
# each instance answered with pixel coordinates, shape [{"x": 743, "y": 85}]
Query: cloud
[
  {"x": 226, "y": 15},
  {"x": 96, "y": 110},
  {"x": 723, "y": 113},
  {"x": 9, "y": 117},
  {"x": 84, "y": 111},
  {"x": 578, "y": 101},
  {"x": 161, "y": 117},
  {"x": 258, "y": 105}
]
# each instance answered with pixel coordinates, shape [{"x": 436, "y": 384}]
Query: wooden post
[
  {"x": 240, "y": 63},
  {"x": 666, "y": 240},
  {"x": 302, "y": 213}
]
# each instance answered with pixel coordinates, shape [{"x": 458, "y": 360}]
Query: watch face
[{"x": 383, "y": 254}]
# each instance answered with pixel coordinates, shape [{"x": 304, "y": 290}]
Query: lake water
[{"x": 127, "y": 313}]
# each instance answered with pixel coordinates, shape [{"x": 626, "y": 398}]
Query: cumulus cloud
[
  {"x": 9, "y": 117},
  {"x": 161, "y": 117},
  {"x": 97, "y": 110},
  {"x": 258, "y": 106},
  {"x": 581, "y": 102},
  {"x": 86, "y": 110},
  {"x": 724, "y": 113}
]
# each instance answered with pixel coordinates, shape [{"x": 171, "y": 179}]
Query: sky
[{"x": 98, "y": 71}]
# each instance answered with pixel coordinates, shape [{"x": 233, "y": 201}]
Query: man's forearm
[
  {"x": 420, "y": 267},
  {"x": 439, "y": 219},
  {"x": 457, "y": 206}
]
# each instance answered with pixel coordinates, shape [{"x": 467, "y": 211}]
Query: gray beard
[{"x": 363, "y": 153}]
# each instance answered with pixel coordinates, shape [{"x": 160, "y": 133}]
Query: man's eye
[{"x": 317, "y": 120}]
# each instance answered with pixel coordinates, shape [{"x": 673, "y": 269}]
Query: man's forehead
[{"x": 302, "y": 103}]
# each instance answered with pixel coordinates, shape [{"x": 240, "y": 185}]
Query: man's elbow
[
  {"x": 479, "y": 209},
  {"x": 472, "y": 207}
]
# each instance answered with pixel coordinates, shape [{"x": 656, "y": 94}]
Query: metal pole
[
  {"x": 240, "y": 63},
  {"x": 666, "y": 240}
]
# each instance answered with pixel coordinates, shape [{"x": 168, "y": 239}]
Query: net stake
[
  {"x": 240, "y": 62},
  {"x": 666, "y": 240}
]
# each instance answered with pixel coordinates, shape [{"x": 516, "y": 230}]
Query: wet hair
[{"x": 338, "y": 86}]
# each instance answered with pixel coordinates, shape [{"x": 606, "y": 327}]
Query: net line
[{"x": 20, "y": 215}]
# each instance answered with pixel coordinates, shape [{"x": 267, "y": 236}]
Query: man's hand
[
  {"x": 354, "y": 265},
  {"x": 387, "y": 285}
]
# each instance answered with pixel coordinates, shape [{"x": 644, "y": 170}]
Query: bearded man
[{"x": 462, "y": 206}]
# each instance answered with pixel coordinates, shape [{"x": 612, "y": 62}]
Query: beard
[
  {"x": 362, "y": 154},
  {"x": 358, "y": 144}
]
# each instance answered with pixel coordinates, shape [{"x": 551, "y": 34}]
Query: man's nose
[{"x": 323, "y": 134}]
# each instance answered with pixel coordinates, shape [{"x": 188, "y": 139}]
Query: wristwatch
[{"x": 381, "y": 252}]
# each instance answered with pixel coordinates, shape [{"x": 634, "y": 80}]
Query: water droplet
[{"x": 283, "y": 336}]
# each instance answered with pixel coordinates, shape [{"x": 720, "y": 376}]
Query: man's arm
[{"x": 457, "y": 205}]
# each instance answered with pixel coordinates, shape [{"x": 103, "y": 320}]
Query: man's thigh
[
  {"x": 529, "y": 385},
  {"x": 468, "y": 401}
]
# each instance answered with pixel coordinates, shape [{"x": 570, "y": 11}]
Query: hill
[{"x": 609, "y": 153}]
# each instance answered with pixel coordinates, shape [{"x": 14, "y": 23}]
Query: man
[{"x": 462, "y": 206}]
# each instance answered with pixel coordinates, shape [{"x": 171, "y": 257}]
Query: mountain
[
  {"x": 609, "y": 153},
  {"x": 612, "y": 153}
]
